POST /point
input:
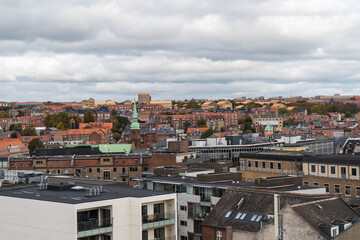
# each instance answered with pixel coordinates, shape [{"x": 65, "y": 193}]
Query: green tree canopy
[
  {"x": 186, "y": 126},
  {"x": 89, "y": 116},
  {"x": 207, "y": 133},
  {"x": 59, "y": 121},
  {"x": 13, "y": 135},
  {"x": 201, "y": 123},
  {"x": 34, "y": 144},
  {"x": 29, "y": 131},
  {"x": 290, "y": 122}
]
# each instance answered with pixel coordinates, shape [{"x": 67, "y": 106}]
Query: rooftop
[{"x": 77, "y": 197}]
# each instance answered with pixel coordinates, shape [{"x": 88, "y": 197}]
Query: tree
[
  {"x": 290, "y": 122},
  {"x": 15, "y": 127},
  {"x": 201, "y": 123},
  {"x": 207, "y": 133},
  {"x": 34, "y": 144},
  {"x": 60, "y": 121},
  {"x": 186, "y": 126},
  {"x": 223, "y": 129},
  {"x": 117, "y": 136},
  {"x": 246, "y": 124},
  {"x": 29, "y": 131},
  {"x": 193, "y": 104},
  {"x": 20, "y": 113},
  {"x": 13, "y": 135},
  {"x": 89, "y": 116},
  {"x": 348, "y": 115},
  {"x": 113, "y": 113}
]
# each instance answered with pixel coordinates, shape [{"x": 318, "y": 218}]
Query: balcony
[
  {"x": 165, "y": 238},
  {"x": 158, "y": 220},
  {"x": 94, "y": 227}
]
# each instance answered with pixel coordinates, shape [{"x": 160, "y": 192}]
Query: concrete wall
[
  {"x": 183, "y": 200},
  {"x": 41, "y": 220}
]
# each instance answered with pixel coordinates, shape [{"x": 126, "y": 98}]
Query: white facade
[{"x": 22, "y": 218}]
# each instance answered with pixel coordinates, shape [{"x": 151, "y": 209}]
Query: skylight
[
  {"x": 228, "y": 214},
  {"x": 259, "y": 218},
  {"x": 253, "y": 217},
  {"x": 238, "y": 215},
  {"x": 243, "y": 216}
]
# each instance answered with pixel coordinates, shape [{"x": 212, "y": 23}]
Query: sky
[{"x": 67, "y": 50}]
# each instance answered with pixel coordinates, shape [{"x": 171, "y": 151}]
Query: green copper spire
[{"x": 134, "y": 122}]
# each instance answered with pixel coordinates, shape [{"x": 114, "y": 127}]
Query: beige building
[
  {"x": 277, "y": 123},
  {"x": 144, "y": 98},
  {"x": 165, "y": 104},
  {"x": 209, "y": 105},
  {"x": 91, "y": 103},
  {"x": 339, "y": 174},
  {"x": 106, "y": 103},
  {"x": 225, "y": 105}
]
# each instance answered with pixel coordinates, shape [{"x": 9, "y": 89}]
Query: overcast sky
[{"x": 73, "y": 50}]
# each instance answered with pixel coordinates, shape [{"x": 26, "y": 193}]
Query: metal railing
[
  {"x": 277, "y": 171},
  {"x": 94, "y": 223},
  {"x": 165, "y": 238},
  {"x": 158, "y": 217}
]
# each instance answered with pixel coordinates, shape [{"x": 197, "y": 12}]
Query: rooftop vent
[{"x": 319, "y": 206}]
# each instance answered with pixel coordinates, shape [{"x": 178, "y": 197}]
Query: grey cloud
[{"x": 111, "y": 49}]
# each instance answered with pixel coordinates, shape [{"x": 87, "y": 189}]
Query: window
[
  {"x": 313, "y": 168},
  {"x": 106, "y": 160},
  {"x": 39, "y": 162},
  {"x": 256, "y": 164},
  {"x": 219, "y": 235},
  {"x": 254, "y": 217},
  {"x": 249, "y": 163},
  {"x": 238, "y": 215},
  {"x": 336, "y": 188},
  {"x": 90, "y": 170},
  {"x": 183, "y": 238},
  {"x": 133, "y": 169},
  {"x": 353, "y": 172},
  {"x": 98, "y": 169},
  {"x": 183, "y": 223},
  {"x": 279, "y": 165},
  {"x": 347, "y": 191},
  {"x": 322, "y": 169},
  {"x": 263, "y": 164},
  {"x": 306, "y": 184},
  {"x": 316, "y": 184},
  {"x": 332, "y": 170},
  {"x": 183, "y": 208},
  {"x": 357, "y": 191},
  {"x": 271, "y": 165},
  {"x": 228, "y": 214},
  {"x": 327, "y": 187},
  {"x": 114, "y": 169}
]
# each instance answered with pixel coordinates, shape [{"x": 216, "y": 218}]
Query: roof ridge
[{"x": 314, "y": 202}]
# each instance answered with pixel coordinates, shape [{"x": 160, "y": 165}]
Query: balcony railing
[
  {"x": 158, "y": 219},
  {"x": 94, "y": 223},
  {"x": 165, "y": 238}
]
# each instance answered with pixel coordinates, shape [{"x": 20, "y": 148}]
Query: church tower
[{"x": 135, "y": 129}]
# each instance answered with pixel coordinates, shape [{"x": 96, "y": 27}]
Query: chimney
[{"x": 229, "y": 233}]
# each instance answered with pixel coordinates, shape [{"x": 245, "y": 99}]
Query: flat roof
[{"x": 78, "y": 197}]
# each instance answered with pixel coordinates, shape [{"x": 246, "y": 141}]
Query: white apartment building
[{"x": 66, "y": 212}]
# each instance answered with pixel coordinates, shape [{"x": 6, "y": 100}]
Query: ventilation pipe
[{"x": 276, "y": 215}]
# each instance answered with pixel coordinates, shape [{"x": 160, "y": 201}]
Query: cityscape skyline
[{"x": 109, "y": 50}]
